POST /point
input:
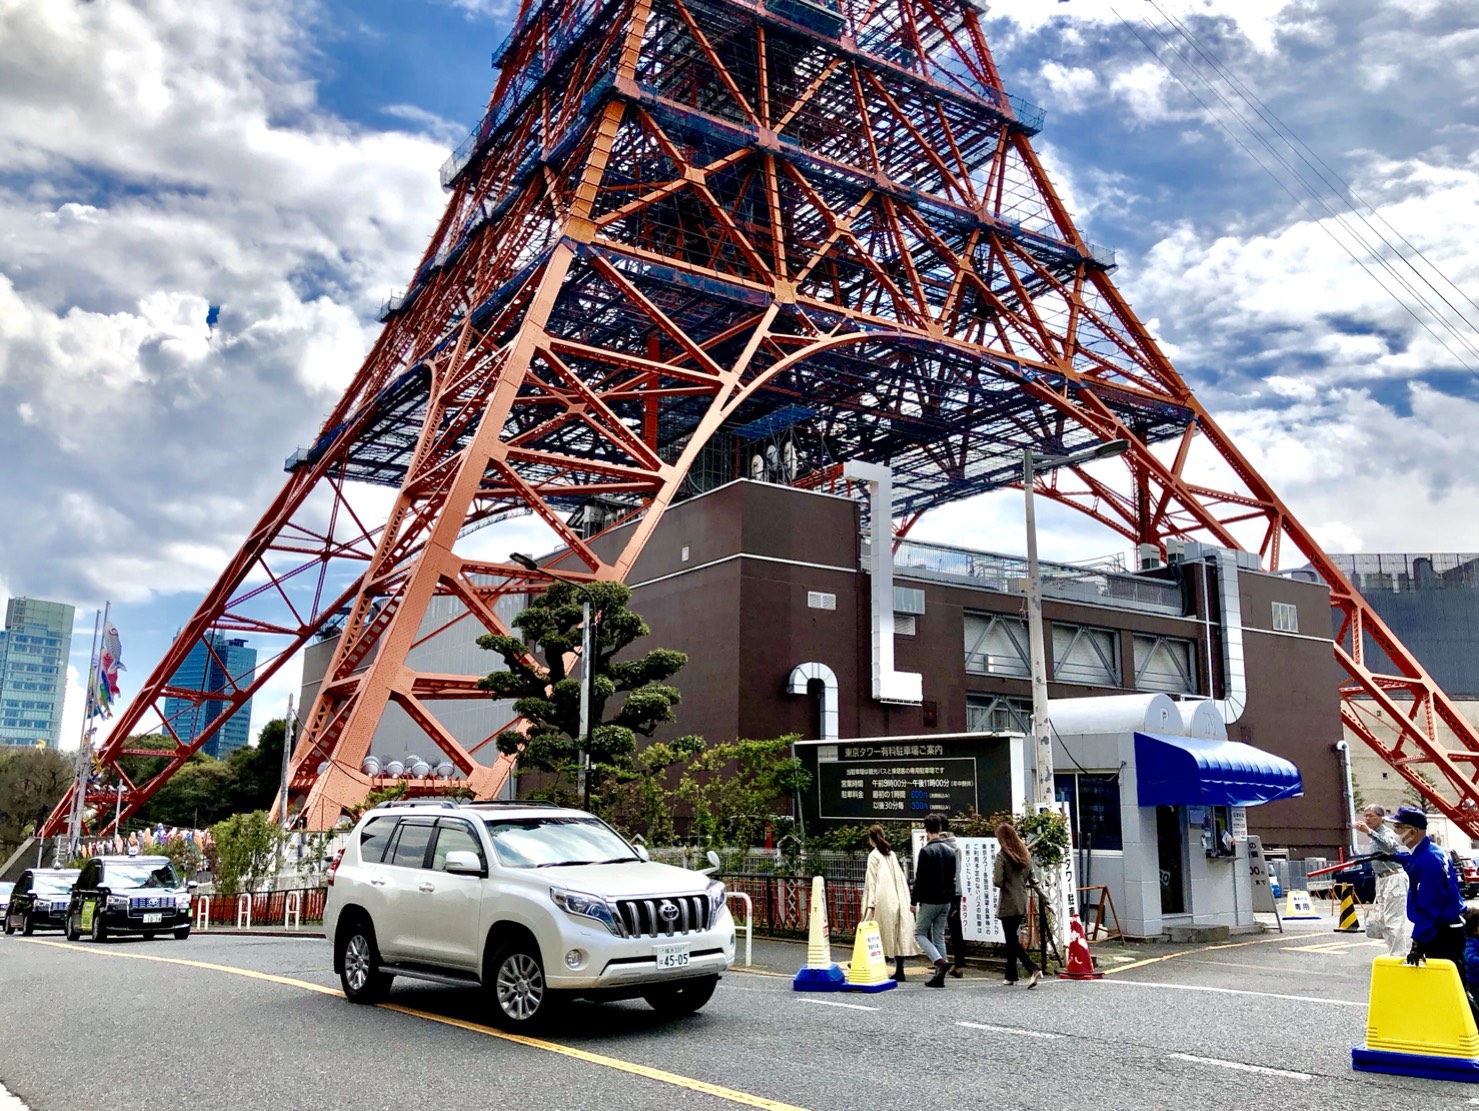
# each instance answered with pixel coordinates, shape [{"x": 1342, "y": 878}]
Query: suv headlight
[
  {"x": 585, "y": 906},
  {"x": 117, "y": 902},
  {"x": 716, "y": 900}
]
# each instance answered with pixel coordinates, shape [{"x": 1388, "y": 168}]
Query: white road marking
[
  {"x": 1231, "y": 991},
  {"x": 10, "y": 1102},
  {"x": 1287, "y": 1074},
  {"x": 833, "y": 1003},
  {"x": 1009, "y": 1030}
]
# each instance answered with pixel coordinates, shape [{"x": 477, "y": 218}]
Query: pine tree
[{"x": 548, "y": 698}]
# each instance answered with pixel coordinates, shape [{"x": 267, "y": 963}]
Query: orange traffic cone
[{"x": 1080, "y": 963}]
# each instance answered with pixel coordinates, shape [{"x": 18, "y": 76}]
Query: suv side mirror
[
  {"x": 713, "y": 858},
  {"x": 641, "y": 850},
  {"x": 462, "y": 863}
]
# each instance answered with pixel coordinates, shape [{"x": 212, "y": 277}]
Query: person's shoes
[
  {"x": 1036, "y": 979},
  {"x": 957, "y": 972},
  {"x": 898, "y": 975},
  {"x": 938, "y": 979}
]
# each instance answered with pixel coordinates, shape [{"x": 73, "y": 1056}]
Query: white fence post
[
  {"x": 749, "y": 922},
  {"x": 243, "y": 912},
  {"x": 292, "y": 912},
  {"x": 202, "y": 912}
]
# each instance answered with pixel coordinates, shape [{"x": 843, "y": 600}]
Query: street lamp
[
  {"x": 587, "y": 664},
  {"x": 1041, "y": 736}
]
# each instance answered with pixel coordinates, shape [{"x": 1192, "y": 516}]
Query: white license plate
[
  {"x": 671, "y": 956},
  {"x": 151, "y": 919}
]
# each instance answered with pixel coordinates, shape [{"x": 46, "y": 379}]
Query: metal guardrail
[
  {"x": 749, "y": 923},
  {"x": 1006, "y": 574}
]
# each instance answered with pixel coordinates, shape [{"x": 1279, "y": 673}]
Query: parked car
[
  {"x": 536, "y": 904},
  {"x": 39, "y": 900},
  {"x": 129, "y": 895},
  {"x": 1467, "y": 872},
  {"x": 1362, "y": 876}
]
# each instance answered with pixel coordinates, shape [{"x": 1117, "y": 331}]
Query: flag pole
[{"x": 84, "y": 753}]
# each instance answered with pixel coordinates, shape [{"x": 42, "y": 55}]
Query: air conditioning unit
[
  {"x": 1148, "y": 557},
  {"x": 1175, "y": 551}
]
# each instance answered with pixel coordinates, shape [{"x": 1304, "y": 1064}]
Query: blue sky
[{"x": 278, "y": 158}]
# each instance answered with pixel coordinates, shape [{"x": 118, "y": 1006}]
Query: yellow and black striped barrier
[{"x": 1349, "y": 923}]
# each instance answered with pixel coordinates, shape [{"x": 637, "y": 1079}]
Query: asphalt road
[{"x": 254, "y": 1022}]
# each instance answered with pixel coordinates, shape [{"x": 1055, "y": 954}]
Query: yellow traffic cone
[
  {"x": 1419, "y": 1023},
  {"x": 869, "y": 968},
  {"x": 819, "y": 973}
]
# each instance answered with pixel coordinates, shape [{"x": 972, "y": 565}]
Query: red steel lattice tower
[{"x": 683, "y": 219}]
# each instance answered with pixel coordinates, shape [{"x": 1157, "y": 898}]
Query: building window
[
  {"x": 820, "y": 600},
  {"x": 1286, "y": 618},
  {"x": 1084, "y": 655},
  {"x": 1093, "y": 809},
  {"x": 996, "y": 645},
  {"x": 908, "y": 599},
  {"x": 984, "y": 714},
  {"x": 1165, "y": 664}
]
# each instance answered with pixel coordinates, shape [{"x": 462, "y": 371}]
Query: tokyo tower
[{"x": 681, "y": 217}]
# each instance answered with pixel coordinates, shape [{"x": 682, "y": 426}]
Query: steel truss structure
[{"x": 685, "y": 225}]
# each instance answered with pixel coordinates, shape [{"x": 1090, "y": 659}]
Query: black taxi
[
  {"x": 129, "y": 895},
  {"x": 39, "y": 900}
]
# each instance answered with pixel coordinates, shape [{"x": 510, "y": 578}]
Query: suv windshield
[
  {"x": 140, "y": 875},
  {"x": 554, "y": 842}
]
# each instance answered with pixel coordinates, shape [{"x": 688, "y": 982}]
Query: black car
[
  {"x": 129, "y": 895},
  {"x": 39, "y": 900}
]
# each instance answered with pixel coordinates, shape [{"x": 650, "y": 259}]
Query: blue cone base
[
  {"x": 872, "y": 989},
  {"x": 1463, "y": 1069},
  {"x": 818, "y": 979},
  {"x": 1301, "y": 918}
]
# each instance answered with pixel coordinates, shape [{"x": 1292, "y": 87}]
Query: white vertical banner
[
  {"x": 1066, "y": 897},
  {"x": 976, "y": 859}
]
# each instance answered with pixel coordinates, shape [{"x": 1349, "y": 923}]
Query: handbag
[{"x": 1375, "y": 928}]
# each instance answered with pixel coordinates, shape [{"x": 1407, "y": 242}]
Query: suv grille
[{"x": 645, "y": 917}]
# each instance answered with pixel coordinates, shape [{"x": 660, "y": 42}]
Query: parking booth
[{"x": 1158, "y": 798}]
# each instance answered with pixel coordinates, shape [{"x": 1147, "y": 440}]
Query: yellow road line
[
  {"x": 660, "y": 1075},
  {"x": 231, "y": 969},
  {"x": 1192, "y": 952},
  {"x": 601, "y": 1059}
]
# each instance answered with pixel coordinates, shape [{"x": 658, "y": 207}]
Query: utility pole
[{"x": 289, "y": 730}]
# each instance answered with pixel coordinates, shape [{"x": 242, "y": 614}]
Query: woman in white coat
[{"x": 886, "y": 901}]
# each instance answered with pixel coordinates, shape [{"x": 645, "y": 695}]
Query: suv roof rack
[
  {"x": 521, "y": 803},
  {"x": 443, "y": 804}
]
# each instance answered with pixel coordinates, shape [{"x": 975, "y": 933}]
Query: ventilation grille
[{"x": 819, "y": 600}]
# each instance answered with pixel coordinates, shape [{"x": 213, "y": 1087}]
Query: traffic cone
[
  {"x": 868, "y": 970},
  {"x": 1080, "y": 962},
  {"x": 1349, "y": 923},
  {"x": 1418, "y": 1023},
  {"x": 819, "y": 973}
]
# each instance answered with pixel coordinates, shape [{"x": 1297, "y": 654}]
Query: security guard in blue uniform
[{"x": 1435, "y": 905}]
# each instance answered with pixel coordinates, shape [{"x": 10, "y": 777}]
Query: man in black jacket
[{"x": 932, "y": 893}]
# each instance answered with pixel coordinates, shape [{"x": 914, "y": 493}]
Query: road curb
[{"x": 228, "y": 932}]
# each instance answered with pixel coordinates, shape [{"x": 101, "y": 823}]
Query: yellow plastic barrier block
[
  {"x": 1419, "y": 1022},
  {"x": 868, "y": 970}
]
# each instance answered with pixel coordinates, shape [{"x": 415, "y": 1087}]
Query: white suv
[{"x": 536, "y": 903}]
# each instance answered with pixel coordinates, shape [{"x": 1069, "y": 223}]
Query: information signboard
[{"x": 883, "y": 790}]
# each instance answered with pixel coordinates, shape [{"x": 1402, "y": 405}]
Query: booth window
[{"x": 1093, "y": 808}]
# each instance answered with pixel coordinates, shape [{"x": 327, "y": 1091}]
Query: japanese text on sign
[{"x": 898, "y": 789}]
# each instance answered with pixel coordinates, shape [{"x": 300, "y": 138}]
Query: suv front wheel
[
  {"x": 676, "y": 1000},
  {"x": 521, "y": 996},
  {"x": 360, "y": 973}
]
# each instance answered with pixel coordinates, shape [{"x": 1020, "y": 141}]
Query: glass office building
[
  {"x": 34, "y": 647},
  {"x": 228, "y": 663}
]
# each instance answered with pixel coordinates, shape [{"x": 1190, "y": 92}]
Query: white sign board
[{"x": 976, "y": 859}]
